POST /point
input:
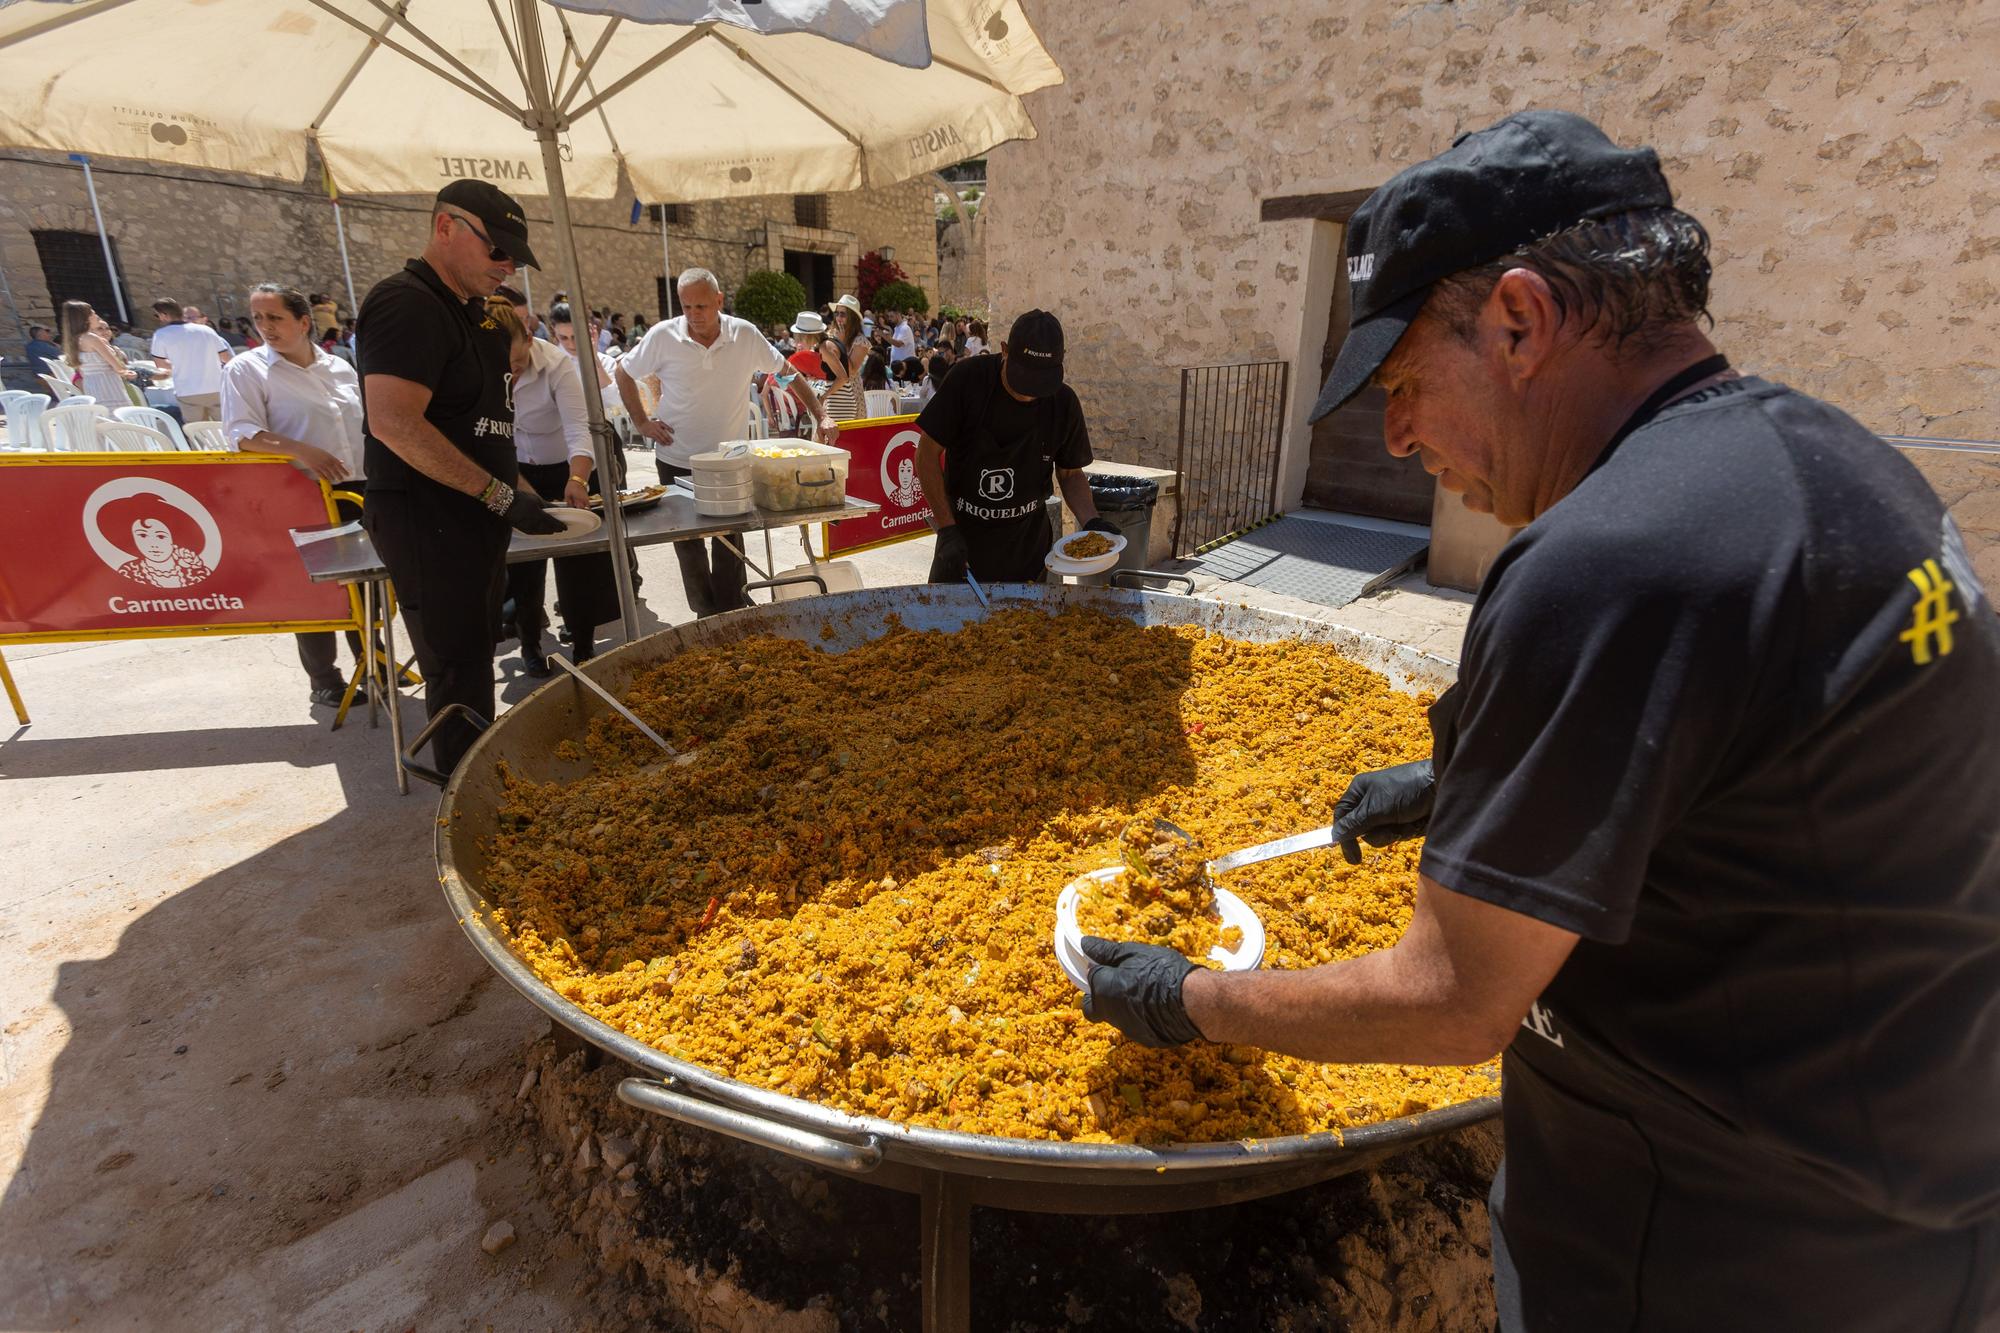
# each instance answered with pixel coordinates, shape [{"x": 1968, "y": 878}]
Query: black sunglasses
[{"x": 493, "y": 252}]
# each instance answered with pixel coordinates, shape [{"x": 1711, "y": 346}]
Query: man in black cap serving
[
  {"x": 989, "y": 440},
  {"x": 1713, "y": 849},
  {"x": 440, "y": 446}
]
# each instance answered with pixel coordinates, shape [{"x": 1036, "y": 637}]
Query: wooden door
[{"x": 1349, "y": 470}]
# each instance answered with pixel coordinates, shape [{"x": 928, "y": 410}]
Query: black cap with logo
[
  {"x": 1035, "y": 354},
  {"x": 498, "y": 214},
  {"x": 1492, "y": 192}
]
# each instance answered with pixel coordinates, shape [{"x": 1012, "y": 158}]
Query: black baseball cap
[
  {"x": 1492, "y": 192},
  {"x": 497, "y": 212},
  {"x": 1035, "y": 354}
]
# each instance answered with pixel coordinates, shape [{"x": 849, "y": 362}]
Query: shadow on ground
[{"x": 270, "y": 1049}]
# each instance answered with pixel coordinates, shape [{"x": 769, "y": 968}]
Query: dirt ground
[{"x": 252, "y": 1077}]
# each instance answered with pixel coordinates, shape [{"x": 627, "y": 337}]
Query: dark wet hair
[
  {"x": 293, "y": 299},
  {"x": 1634, "y": 278}
]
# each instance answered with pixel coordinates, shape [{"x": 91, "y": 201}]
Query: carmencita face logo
[{"x": 152, "y": 533}]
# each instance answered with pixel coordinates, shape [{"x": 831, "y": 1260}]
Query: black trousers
[
  {"x": 586, "y": 593},
  {"x": 713, "y": 577},
  {"x": 448, "y": 558},
  {"x": 317, "y": 651}
]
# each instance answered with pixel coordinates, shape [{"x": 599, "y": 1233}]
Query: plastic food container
[
  {"x": 727, "y": 465},
  {"x": 723, "y": 508},
  {"x": 705, "y": 492},
  {"x": 798, "y": 474},
  {"x": 1248, "y": 954}
]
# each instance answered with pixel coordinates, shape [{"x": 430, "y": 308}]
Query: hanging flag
[
  {"x": 635, "y": 212},
  {"x": 326, "y": 179},
  {"x": 891, "y": 29}
]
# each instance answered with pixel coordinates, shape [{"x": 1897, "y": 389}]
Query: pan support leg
[{"x": 947, "y": 1253}]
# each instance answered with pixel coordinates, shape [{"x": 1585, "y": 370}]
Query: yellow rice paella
[{"x": 848, "y": 893}]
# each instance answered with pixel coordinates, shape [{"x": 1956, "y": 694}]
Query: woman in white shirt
[
  {"x": 289, "y": 397},
  {"x": 552, "y": 440}
]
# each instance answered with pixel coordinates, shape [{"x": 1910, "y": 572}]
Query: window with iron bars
[
  {"x": 810, "y": 210},
  {"x": 678, "y": 215}
]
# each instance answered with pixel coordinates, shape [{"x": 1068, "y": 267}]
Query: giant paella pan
[{"x": 1056, "y": 1165}]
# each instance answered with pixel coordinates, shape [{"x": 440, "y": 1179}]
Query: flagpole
[
  {"x": 103, "y": 238},
  {"x": 666, "y": 264}
]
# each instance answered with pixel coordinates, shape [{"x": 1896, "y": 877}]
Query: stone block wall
[
  {"x": 205, "y": 238},
  {"x": 1845, "y": 157}
]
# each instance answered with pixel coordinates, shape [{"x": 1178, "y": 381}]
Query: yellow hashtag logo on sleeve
[{"x": 1929, "y": 633}]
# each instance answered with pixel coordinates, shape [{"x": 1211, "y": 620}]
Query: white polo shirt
[
  {"x": 704, "y": 391},
  {"x": 195, "y": 352},
  {"x": 318, "y": 404},
  {"x": 550, "y": 422}
]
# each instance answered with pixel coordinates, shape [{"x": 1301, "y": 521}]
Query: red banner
[
  {"x": 135, "y": 545},
  {"x": 884, "y": 470}
]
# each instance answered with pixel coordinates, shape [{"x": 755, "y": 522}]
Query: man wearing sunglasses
[{"x": 439, "y": 425}]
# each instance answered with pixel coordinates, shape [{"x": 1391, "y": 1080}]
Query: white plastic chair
[
  {"x": 21, "y": 417},
  {"x": 62, "y": 388},
  {"x": 156, "y": 419},
  {"x": 72, "y": 426},
  {"x": 208, "y": 435},
  {"x": 129, "y": 437}
]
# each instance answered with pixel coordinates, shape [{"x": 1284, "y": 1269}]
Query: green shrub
[
  {"x": 906, "y": 296},
  {"x": 770, "y": 300}
]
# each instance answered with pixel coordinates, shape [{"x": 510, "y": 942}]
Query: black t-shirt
[
  {"x": 413, "y": 327},
  {"x": 999, "y": 460},
  {"x": 1730, "y": 711}
]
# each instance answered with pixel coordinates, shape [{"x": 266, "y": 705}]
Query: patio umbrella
[{"x": 402, "y": 96}]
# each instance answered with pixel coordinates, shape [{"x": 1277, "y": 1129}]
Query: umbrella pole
[
  {"x": 542, "y": 120},
  {"x": 346, "y": 268}
]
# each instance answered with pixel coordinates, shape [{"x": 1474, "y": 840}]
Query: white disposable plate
[
  {"x": 576, "y": 523},
  {"x": 1249, "y": 951},
  {"x": 703, "y": 491},
  {"x": 724, "y": 508},
  {"x": 1063, "y": 564}
]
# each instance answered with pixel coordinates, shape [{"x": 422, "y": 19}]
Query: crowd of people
[{"x": 458, "y": 412}]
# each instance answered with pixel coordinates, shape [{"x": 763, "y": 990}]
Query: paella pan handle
[
  {"x": 854, "y": 1158},
  {"x": 416, "y": 767},
  {"x": 1133, "y": 578}
]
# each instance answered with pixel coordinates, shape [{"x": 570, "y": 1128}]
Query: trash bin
[{"x": 1127, "y": 502}]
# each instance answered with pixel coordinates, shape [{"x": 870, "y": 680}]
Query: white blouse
[
  {"x": 550, "y": 425},
  {"x": 318, "y": 404}
]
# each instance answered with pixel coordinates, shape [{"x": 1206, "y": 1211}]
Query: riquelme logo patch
[{"x": 1360, "y": 268}]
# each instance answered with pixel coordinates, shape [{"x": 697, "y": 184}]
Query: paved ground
[{"x": 250, "y": 1073}]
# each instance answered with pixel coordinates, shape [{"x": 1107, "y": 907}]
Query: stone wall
[
  {"x": 962, "y": 263},
  {"x": 1845, "y": 156},
  {"x": 204, "y": 238}
]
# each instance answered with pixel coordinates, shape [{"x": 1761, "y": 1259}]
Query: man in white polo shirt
[
  {"x": 194, "y": 354},
  {"x": 704, "y": 360}
]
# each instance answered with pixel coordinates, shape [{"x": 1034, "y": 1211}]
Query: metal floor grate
[{"x": 1312, "y": 559}]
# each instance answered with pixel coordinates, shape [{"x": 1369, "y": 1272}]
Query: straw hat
[
  {"x": 851, "y": 304},
  {"x": 808, "y": 322}
]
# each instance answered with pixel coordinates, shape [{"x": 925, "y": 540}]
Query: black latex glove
[
  {"x": 527, "y": 514},
  {"x": 1136, "y": 988},
  {"x": 948, "y": 560},
  {"x": 1382, "y": 807},
  {"x": 1103, "y": 525}
]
